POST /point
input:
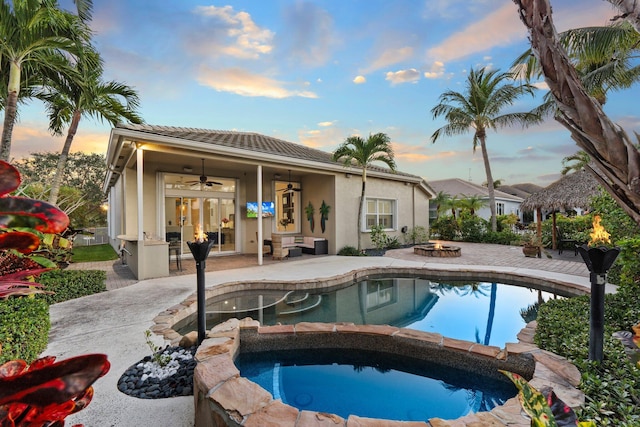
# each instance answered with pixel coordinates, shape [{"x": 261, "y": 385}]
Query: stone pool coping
[
  {"x": 223, "y": 398},
  {"x": 230, "y": 397}
]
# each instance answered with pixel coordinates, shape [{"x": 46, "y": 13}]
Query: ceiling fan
[
  {"x": 290, "y": 188},
  {"x": 203, "y": 179}
]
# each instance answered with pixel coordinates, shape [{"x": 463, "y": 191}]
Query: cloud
[
  {"x": 326, "y": 139},
  {"x": 244, "y": 83},
  {"x": 230, "y": 34},
  {"x": 499, "y": 28},
  {"x": 389, "y": 57},
  {"x": 502, "y": 27},
  {"x": 308, "y": 37},
  {"x": 31, "y": 137},
  {"x": 360, "y": 80},
  {"x": 327, "y": 124},
  {"x": 436, "y": 71},
  {"x": 403, "y": 76}
]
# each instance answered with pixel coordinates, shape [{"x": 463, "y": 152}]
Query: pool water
[
  {"x": 482, "y": 312},
  {"x": 372, "y": 385}
]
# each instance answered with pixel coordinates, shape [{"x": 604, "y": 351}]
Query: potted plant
[{"x": 531, "y": 245}]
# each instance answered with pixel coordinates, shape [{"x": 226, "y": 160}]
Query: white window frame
[
  {"x": 500, "y": 208},
  {"x": 394, "y": 213}
]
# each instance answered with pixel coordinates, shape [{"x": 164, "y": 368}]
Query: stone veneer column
[{"x": 278, "y": 251}]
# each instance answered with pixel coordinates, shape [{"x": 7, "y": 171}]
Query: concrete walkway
[{"x": 114, "y": 322}]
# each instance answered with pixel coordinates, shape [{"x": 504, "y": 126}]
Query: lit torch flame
[
  {"x": 599, "y": 235},
  {"x": 199, "y": 234}
]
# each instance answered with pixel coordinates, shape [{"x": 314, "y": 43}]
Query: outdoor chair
[{"x": 562, "y": 242}]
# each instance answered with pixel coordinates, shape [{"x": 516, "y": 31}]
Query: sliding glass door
[{"x": 192, "y": 208}]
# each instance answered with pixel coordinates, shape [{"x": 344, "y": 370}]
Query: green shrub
[
  {"x": 24, "y": 328},
  {"x": 445, "y": 228},
  {"x": 616, "y": 221},
  {"x": 506, "y": 222},
  {"x": 349, "y": 251},
  {"x": 416, "y": 235},
  {"x": 71, "y": 284},
  {"x": 613, "y": 387},
  {"x": 472, "y": 228},
  {"x": 629, "y": 260},
  {"x": 505, "y": 237},
  {"x": 379, "y": 237}
]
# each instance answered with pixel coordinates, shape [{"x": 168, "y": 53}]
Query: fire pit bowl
[{"x": 437, "y": 250}]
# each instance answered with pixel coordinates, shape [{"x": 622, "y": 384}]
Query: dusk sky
[{"x": 317, "y": 72}]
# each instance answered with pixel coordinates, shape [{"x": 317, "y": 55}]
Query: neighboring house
[
  {"x": 158, "y": 192},
  {"x": 523, "y": 191},
  {"x": 505, "y": 203}
]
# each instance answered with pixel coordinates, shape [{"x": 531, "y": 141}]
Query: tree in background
[
  {"x": 615, "y": 161},
  {"x": 68, "y": 99},
  {"x": 472, "y": 204},
  {"x": 81, "y": 194},
  {"x": 479, "y": 108},
  {"x": 356, "y": 151},
  {"x": 441, "y": 202},
  {"x": 575, "y": 162},
  {"x": 36, "y": 36}
]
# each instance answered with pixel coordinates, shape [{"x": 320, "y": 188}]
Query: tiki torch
[
  {"x": 200, "y": 249},
  {"x": 599, "y": 260}
]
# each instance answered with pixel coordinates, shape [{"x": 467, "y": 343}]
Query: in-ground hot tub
[{"x": 224, "y": 398}]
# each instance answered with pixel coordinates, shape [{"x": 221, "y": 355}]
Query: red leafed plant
[
  {"x": 18, "y": 217},
  {"x": 45, "y": 392}
]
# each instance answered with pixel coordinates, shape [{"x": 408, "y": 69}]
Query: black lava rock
[{"x": 179, "y": 384}]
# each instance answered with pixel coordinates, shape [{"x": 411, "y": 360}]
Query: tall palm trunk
[
  {"x": 64, "y": 155},
  {"x": 364, "y": 183},
  {"x": 10, "y": 110},
  {"x": 487, "y": 168}
]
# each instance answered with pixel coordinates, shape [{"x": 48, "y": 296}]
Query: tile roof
[
  {"x": 461, "y": 188},
  {"x": 250, "y": 141},
  {"x": 520, "y": 190}
]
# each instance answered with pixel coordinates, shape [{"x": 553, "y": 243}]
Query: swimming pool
[{"x": 489, "y": 313}]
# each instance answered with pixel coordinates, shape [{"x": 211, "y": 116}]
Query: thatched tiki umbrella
[{"x": 570, "y": 191}]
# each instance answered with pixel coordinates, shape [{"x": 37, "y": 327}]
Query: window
[
  {"x": 380, "y": 212},
  {"x": 499, "y": 208}
]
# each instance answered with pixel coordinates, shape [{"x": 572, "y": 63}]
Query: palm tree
[
  {"x": 472, "y": 204},
  {"x": 452, "y": 204},
  {"x": 355, "y": 151},
  {"x": 34, "y": 37},
  {"x": 478, "y": 109},
  {"x": 575, "y": 162},
  {"x": 605, "y": 59},
  {"x": 69, "y": 98},
  {"x": 497, "y": 183},
  {"x": 440, "y": 201}
]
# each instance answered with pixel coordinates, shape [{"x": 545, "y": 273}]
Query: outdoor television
[{"x": 268, "y": 209}]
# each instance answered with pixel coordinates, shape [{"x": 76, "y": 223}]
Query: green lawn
[{"x": 94, "y": 253}]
